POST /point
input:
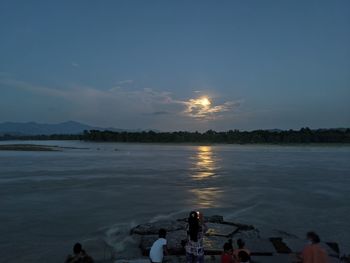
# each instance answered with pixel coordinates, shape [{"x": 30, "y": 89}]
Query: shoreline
[
  {"x": 328, "y": 144},
  {"x": 35, "y": 148}
]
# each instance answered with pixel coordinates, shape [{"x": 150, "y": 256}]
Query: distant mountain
[{"x": 34, "y": 128}]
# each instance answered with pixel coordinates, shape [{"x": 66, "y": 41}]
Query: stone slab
[
  {"x": 213, "y": 245},
  {"x": 260, "y": 246},
  {"x": 153, "y": 228},
  {"x": 98, "y": 249},
  {"x": 295, "y": 244},
  {"x": 220, "y": 230},
  {"x": 278, "y": 258}
]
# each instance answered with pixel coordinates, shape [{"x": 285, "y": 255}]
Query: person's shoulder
[{"x": 160, "y": 241}]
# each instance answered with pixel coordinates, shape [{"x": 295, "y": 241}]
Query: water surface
[{"x": 49, "y": 200}]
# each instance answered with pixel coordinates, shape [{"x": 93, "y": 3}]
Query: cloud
[
  {"x": 160, "y": 113},
  {"x": 74, "y": 64},
  {"x": 126, "y": 108},
  {"x": 203, "y": 109}
]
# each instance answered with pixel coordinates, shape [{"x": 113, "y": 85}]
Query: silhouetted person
[
  {"x": 243, "y": 257},
  {"x": 195, "y": 230},
  {"x": 313, "y": 252},
  {"x": 79, "y": 255},
  {"x": 159, "y": 248},
  {"x": 241, "y": 247},
  {"x": 227, "y": 255}
]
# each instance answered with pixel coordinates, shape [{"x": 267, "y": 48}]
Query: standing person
[
  {"x": 241, "y": 247},
  {"x": 79, "y": 255},
  {"x": 227, "y": 255},
  {"x": 195, "y": 231},
  {"x": 313, "y": 252},
  {"x": 159, "y": 248}
]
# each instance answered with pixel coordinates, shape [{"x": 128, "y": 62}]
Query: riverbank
[
  {"x": 35, "y": 147},
  {"x": 29, "y": 147}
]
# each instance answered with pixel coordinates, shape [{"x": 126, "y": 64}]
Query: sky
[{"x": 176, "y": 65}]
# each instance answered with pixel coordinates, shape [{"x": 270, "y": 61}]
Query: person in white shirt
[{"x": 159, "y": 248}]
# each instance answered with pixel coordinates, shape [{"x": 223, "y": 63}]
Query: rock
[
  {"x": 295, "y": 244},
  {"x": 215, "y": 229},
  {"x": 241, "y": 227},
  {"x": 208, "y": 219},
  {"x": 138, "y": 260},
  {"x": 334, "y": 246},
  {"x": 99, "y": 250},
  {"x": 214, "y": 219},
  {"x": 332, "y": 250},
  {"x": 260, "y": 246},
  {"x": 153, "y": 228},
  {"x": 280, "y": 246},
  {"x": 246, "y": 234},
  {"x": 280, "y": 258},
  {"x": 213, "y": 244}
]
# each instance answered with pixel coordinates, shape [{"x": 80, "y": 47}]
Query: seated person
[
  {"x": 79, "y": 255},
  {"x": 313, "y": 252},
  {"x": 243, "y": 257},
  {"x": 227, "y": 255},
  {"x": 159, "y": 248},
  {"x": 241, "y": 247}
]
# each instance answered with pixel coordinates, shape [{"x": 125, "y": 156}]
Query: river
[{"x": 50, "y": 200}]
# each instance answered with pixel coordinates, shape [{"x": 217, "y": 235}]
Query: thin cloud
[
  {"x": 160, "y": 113},
  {"x": 127, "y": 107},
  {"x": 75, "y": 65},
  {"x": 203, "y": 109}
]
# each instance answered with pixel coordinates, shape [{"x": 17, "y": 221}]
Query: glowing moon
[{"x": 204, "y": 101}]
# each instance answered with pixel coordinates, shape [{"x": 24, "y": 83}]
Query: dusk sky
[{"x": 176, "y": 65}]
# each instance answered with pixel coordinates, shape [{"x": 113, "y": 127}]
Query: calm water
[{"x": 49, "y": 200}]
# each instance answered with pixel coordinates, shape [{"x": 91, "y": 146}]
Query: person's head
[
  {"x": 243, "y": 256},
  {"x": 240, "y": 243},
  {"x": 77, "y": 248},
  {"x": 313, "y": 237},
  {"x": 228, "y": 248},
  {"x": 193, "y": 216},
  {"x": 193, "y": 223},
  {"x": 162, "y": 233}
]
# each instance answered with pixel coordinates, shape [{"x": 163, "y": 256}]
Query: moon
[{"x": 204, "y": 101}]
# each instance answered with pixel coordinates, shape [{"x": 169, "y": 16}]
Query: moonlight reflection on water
[{"x": 204, "y": 169}]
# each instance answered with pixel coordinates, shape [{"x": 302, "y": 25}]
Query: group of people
[
  {"x": 196, "y": 228},
  {"x": 239, "y": 255}
]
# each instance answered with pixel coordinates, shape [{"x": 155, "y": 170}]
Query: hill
[{"x": 34, "y": 128}]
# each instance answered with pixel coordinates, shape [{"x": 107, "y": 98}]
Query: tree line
[{"x": 304, "y": 135}]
